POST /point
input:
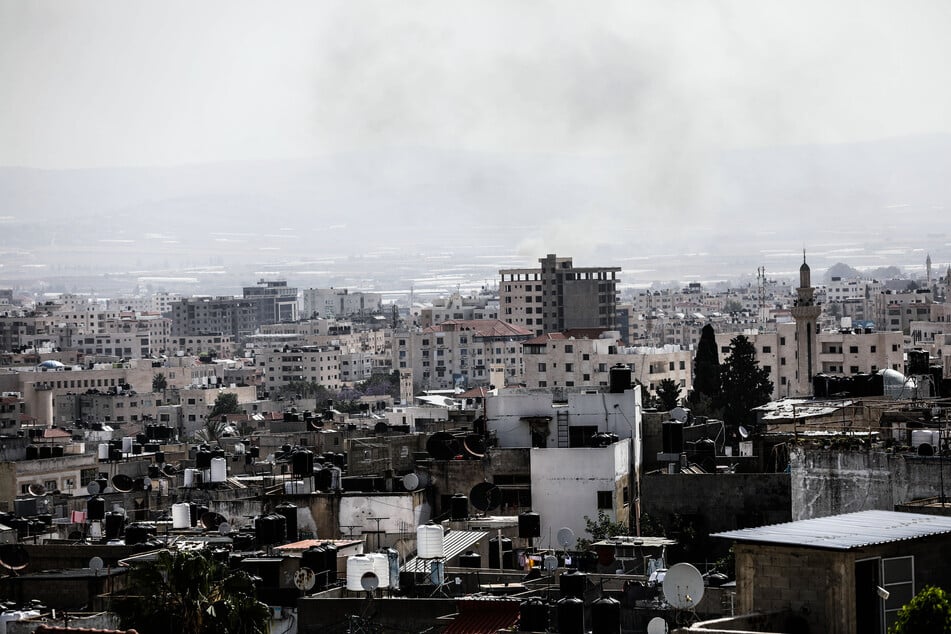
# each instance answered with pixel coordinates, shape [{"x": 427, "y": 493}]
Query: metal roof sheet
[
  {"x": 453, "y": 543},
  {"x": 848, "y": 531}
]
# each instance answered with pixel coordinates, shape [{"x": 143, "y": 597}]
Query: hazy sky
[{"x": 117, "y": 83}]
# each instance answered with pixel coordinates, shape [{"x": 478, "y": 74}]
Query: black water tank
[
  {"x": 533, "y": 616},
  {"x": 32, "y": 452},
  {"x": 46, "y": 451},
  {"x": 255, "y": 451},
  {"x": 606, "y": 616},
  {"x": 620, "y": 379},
  {"x": 323, "y": 479},
  {"x": 570, "y": 615},
  {"x": 917, "y": 362},
  {"x": 470, "y": 559},
  {"x": 573, "y": 583},
  {"x": 303, "y": 462},
  {"x": 315, "y": 559},
  {"x": 330, "y": 557},
  {"x": 672, "y": 437},
  {"x": 58, "y": 451},
  {"x": 289, "y": 512},
  {"x": 141, "y": 438},
  {"x": 136, "y": 534},
  {"x": 159, "y": 457},
  {"x": 494, "y": 553},
  {"x": 195, "y": 512},
  {"x": 95, "y": 508},
  {"x": 529, "y": 525},
  {"x": 270, "y": 529},
  {"x": 458, "y": 507},
  {"x": 203, "y": 459},
  {"x": 114, "y": 522}
]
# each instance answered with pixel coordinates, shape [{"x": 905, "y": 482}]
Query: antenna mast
[{"x": 761, "y": 289}]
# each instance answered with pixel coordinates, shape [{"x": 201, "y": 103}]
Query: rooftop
[{"x": 845, "y": 532}]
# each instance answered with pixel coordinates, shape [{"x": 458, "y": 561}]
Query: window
[
  {"x": 853, "y": 349},
  {"x": 569, "y": 367},
  {"x": 894, "y": 347},
  {"x": 541, "y": 367},
  {"x": 585, "y": 357},
  {"x": 767, "y": 349},
  {"x": 569, "y": 347},
  {"x": 782, "y": 361},
  {"x": 854, "y": 369},
  {"x": 898, "y": 578},
  {"x": 605, "y": 499},
  {"x": 782, "y": 341},
  {"x": 872, "y": 350}
]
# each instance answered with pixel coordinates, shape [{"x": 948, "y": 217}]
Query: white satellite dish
[
  {"x": 95, "y": 564},
  {"x": 304, "y": 579},
  {"x": 657, "y": 625},
  {"x": 565, "y": 536},
  {"x": 92, "y": 488},
  {"x": 369, "y": 581},
  {"x": 744, "y": 432},
  {"x": 683, "y": 586},
  {"x": 411, "y": 482},
  {"x": 679, "y": 414},
  {"x": 224, "y": 528}
]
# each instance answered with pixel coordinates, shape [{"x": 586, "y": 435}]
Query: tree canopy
[
  {"x": 668, "y": 393},
  {"x": 743, "y": 383},
  {"x": 928, "y": 611},
  {"x": 226, "y": 403},
  {"x": 188, "y": 592},
  {"x": 706, "y": 364},
  {"x": 159, "y": 382}
]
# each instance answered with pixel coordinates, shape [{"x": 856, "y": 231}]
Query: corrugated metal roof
[
  {"x": 484, "y": 616},
  {"x": 844, "y": 532},
  {"x": 453, "y": 543}
]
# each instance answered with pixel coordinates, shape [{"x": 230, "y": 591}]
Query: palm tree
[{"x": 188, "y": 592}]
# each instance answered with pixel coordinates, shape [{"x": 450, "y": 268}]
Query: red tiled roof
[
  {"x": 476, "y": 392},
  {"x": 483, "y": 616},
  {"x": 573, "y": 333},
  {"x": 56, "y": 433}
]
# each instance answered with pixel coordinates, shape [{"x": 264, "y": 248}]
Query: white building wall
[{"x": 565, "y": 485}]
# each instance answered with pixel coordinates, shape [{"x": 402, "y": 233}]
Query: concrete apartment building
[
  {"x": 458, "y": 307},
  {"x": 329, "y": 303},
  {"x": 131, "y": 336},
  {"x": 578, "y": 359},
  {"x": 460, "y": 353},
  {"x": 274, "y": 301},
  {"x": 236, "y": 318},
  {"x": 559, "y": 296},
  {"x": 308, "y": 364}
]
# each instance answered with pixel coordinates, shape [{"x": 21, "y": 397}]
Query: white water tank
[
  {"x": 429, "y": 541},
  {"x": 127, "y": 444},
  {"x": 181, "y": 515},
  {"x": 192, "y": 477},
  {"x": 919, "y": 436},
  {"x": 103, "y": 451},
  {"x": 357, "y": 566},
  {"x": 381, "y": 567},
  {"x": 219, "y": 469}
]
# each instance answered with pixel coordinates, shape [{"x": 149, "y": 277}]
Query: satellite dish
[
  {"x": 211, "y": 520},
  {"x": 147, "y": 483},
  {"x": 224, "y": 528},
  {"x": 679, "y": 414},
  {"x": 565, "y": 536},
  {"x": 169, "y": 470},
  {"x": 485, "y": 496},
  {"x": 411, "y": 482},
  {"x": 92, "y": 488},
  {"x": 442, "y": 446},
  {"x": 683, "y": 586},
  {"x": 36, "y": 489},
  {"x": 14, "y": 556},
  {"x": 924, "y": 449},
  {"x": 369, "y": 581},
  {"x": 744, "y": 432},
  {"x": 122, "y": 483},
  {"x": 95, "y": 564},
  {"x": 239, "y": 448},
  {"x": 549, "y": 563},
  {"x": 305, "y": 579},
  {"x": 474, "y": 444},
  {"x": 657, "y": 625}
]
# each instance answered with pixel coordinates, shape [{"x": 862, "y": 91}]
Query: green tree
[
  {"x": 706, "y": 365},
  {"x": 732, "y": 306},
  {"x": 181, "y": 592},
  {"x": 159, "y": 382},
  {"x": 929, "y": 611},
  {"x": 600, "y": 528},
  {"x": 226, "y": 403},
  {"x": 743, "y": 383},
  {"x": 668, "y": 393}
]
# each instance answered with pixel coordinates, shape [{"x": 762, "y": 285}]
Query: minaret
[
  {"x": 805, "y": 312},
  {"x": 928, "y": 269}
]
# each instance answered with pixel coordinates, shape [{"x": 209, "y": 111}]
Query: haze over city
[{"x": 379, "y": 146}]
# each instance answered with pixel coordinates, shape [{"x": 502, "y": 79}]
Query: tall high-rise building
[{"x": 559, "y": 296}]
